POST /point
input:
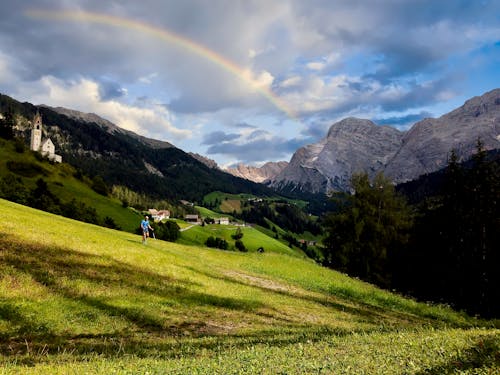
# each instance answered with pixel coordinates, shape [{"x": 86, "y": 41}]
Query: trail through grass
[{"x": 77, "y": 298}]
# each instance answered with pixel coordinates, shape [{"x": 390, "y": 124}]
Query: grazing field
[
  {"x": 253, "y": 239},
  {"x": 77, "y": 298}
]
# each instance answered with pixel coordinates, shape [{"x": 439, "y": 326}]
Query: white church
[{"x": 45, "y": 147}]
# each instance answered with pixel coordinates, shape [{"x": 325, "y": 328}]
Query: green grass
[
  {"x": 205, "y": 212},
  {"x": 61, "y": 181},
  {"x": 253, "y": 239},
  {"x": 77, "y": 298}
]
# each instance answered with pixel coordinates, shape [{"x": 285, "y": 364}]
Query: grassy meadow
[
  {"x": 77, "y": 298},
  {"x": 253, "y": 238},
  {"x": 61, "y": 181}
]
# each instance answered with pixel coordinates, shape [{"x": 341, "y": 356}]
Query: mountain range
[
  {"x": 356, "y": 145},
  {"x": 98, "y": 147}
]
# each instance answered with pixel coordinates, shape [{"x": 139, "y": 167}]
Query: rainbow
[{"x": 168, "y": 37}]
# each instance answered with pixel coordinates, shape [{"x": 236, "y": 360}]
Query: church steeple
[{"x": 36, "y": 132}]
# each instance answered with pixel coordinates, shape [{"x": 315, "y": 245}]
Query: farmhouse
[
  {"x": 195, "y": 219},
  {"x": 159, "y": 215},
  {"x": 221, "y": 220}
]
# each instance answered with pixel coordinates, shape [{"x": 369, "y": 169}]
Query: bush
[
  {"x": 167, "y": 231},
  {"x": 240, "y": 245},
  {"x": 99, "y": 186},
  {"x": 238, "y": 235},
  {"x": 216, "y": 242},
  {"x": 19, "y": 146}
]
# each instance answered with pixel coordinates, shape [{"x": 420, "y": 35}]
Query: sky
[{"x": 249, "y": 81}]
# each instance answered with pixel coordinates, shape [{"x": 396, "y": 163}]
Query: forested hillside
[
  {"x": 131, "y": 161},
  {"x": 443, "y": 247}
]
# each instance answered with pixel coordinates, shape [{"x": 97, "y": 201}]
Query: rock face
[
  {"x": 427, "y": 145},
  {"x": 258, "y": 174},
  {"x": 351, "y": 145},
  {"x": 354, "y": 145},
  {"x": 210, "y": 163}
]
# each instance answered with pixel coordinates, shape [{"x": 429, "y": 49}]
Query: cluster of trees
[
  {"x": 166, "y": 230},
  {"x": 285, "y": 215},
  {"x": 455, "y": 249},
  {"x": 217, "y": 242},
  {"x": 221, "y": 243},
  {"x": 12, "y": 188},
  {"x": 7, "y": 123},
  {"x": 444, "y": 249}
]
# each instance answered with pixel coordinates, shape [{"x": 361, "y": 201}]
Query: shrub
[
  {"x": 216, "y": 242},
  {"x": 238, "y": 235},
  {"x": 240, "y": 245}
]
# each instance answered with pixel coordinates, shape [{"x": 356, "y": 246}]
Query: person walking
[{"x": 145, "y": 229}]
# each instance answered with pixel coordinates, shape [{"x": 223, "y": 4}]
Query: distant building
[
  {"x": 221, "y": 220},
  {"x": 159, "y": 215},
  {"x": 194, "y": 219},
  {"x": 46, "y": 146}
]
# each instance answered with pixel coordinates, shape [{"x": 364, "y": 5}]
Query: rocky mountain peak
[
  {"x": 92, "y": 118},
  {"x": 258, "y": 174},
  {"x": 351, "y": 145},
  {"x": 354, "y": 145}
]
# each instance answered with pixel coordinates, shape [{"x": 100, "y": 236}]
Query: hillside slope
[
  {"x": 77, "y": 298},
  {"x": 120, "y": 157},
  {"x": 26, "y": 168}
]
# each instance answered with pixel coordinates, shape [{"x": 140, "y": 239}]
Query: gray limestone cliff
[
  {"x": 258, "y": 174},
  {"x": 355, "y": 145}
]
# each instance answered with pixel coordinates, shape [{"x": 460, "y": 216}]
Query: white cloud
[
  {"x": 291, "y": 81},
  {"x": 147, "y": 79},
  {"x": 83, "y": 95},
  {"x": 261, "y": 80},
  {"x": 316, "y": 65}
]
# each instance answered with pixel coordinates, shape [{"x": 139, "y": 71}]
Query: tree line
[{"x": 443, "y": 248}]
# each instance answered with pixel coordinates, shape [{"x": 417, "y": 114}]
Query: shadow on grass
[
  {"x": 102, "y": 286},
  {"x": 362, "y": 312},
  {"x": 484, "y": 354}
]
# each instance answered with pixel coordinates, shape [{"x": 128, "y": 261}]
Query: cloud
[
  {"x": 252, "y": 146},
  {"x": 218, "y": 137},
  {"x": 324, "y": 60},
  {"x": 109, "y": 90},
  {"x": 403, "y": 122},
  {"x": 257, "y": 150},
  {"x": 85, "y": 95}
]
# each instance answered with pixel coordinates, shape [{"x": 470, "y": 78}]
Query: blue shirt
[{"x": 145, "y": 224}]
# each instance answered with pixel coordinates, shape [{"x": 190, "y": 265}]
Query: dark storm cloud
[
  {"x": 338, "y": 58},
  {"x": 111, "y": 90},
  {"x": 260, "y": 150},
  {"x": 316, "y": 130},
  {"x": 403, "y": 120},
  {"x": 218, "y": 137}
]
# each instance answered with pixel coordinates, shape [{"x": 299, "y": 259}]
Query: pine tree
[
  {"x": 7, "y": 124},
  {"x": 370, "y": 228}
]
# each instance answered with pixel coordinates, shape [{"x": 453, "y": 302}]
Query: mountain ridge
[
  {"x": 257, "y": 174},
  {"x": 356, "y": 145},
  {"x": 97, "y": 147}
]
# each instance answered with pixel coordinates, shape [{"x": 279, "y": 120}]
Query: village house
[
  {"x": 46, "y": 146},
  {"x": 159, "y": 215},
  {"x": 191, "y": 218},
  {"x": 221, "y": 220}
]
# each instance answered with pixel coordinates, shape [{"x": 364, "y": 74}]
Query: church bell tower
[{"x": 36, "y": 132}]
